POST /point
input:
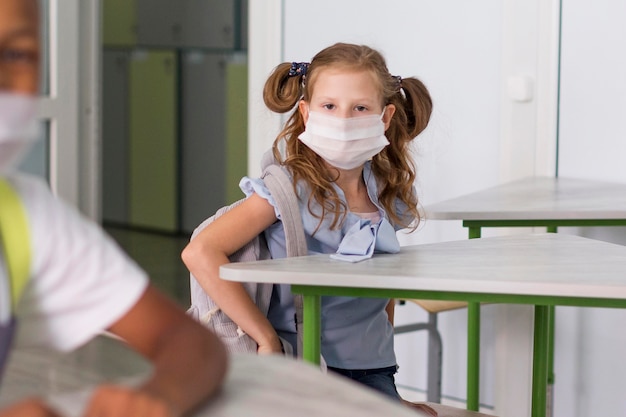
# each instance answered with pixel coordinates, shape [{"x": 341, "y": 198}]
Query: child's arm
[
  {"x": 211, "y": 248},
  {"x": 189, "y": 365},
  {"x": 31, "y": 408},
  {"x": 189, "y": 361}
]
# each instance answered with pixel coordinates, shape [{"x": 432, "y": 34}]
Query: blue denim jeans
[{"x": 380, "y": 379}]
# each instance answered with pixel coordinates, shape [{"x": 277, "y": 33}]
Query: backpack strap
[
  {"x": 281, "y": 187},
  {"x": 14, "y": 235}
]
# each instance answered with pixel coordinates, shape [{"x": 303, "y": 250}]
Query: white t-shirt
[{"x": 81, "y": 281}]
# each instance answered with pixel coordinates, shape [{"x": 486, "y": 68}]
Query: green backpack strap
[{"x": 14, "y": 236}]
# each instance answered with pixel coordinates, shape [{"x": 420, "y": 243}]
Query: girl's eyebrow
[{"x": 365, "y": 100}]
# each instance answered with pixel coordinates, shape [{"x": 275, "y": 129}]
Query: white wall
[
  {"x": 593, "y": 90},
  {"x": 590, "y": 344}
]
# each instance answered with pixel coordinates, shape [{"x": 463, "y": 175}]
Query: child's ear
[
  {"x": 390, "y": 109},
  {"x": 303, "y": 107}
]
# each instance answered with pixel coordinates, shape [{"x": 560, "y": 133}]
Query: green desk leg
[
  {"x": 540, "y": 361},
  {"x": 473, "y": 356},
  {"x": 474, "y": 232},
  {"x": 312, "y": 306},
  {"x": 550, "y": 385},
  {"x": 473, "y": 345},
  {"x": 551, "y": 331}
]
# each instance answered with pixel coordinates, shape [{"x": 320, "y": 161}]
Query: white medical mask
[
  {"x": 18, "y": 128},
  {"x": 345, "y": 143}
]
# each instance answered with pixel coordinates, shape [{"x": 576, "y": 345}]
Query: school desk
[
  {"x": 255, "y": 386},
  {"x": 539, "y": 269},
  {"x": 530, "y": 202}
]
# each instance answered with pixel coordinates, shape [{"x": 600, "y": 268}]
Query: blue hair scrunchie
[{"x": 298, "y": 69}]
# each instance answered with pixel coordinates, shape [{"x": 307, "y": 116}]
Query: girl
[{"x": 346, "y": 147}]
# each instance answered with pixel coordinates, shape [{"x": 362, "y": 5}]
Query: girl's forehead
[
  {"x": 339, "y": 73},
  {"x": 344, "y": 81}
]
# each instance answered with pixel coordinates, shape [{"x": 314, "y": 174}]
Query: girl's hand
[
  {"x": 31, "y": 408},
  {"x": 270, "y": 349},
  {"x": 110, "y": 400},
  {"x": 425, "y": 409}
]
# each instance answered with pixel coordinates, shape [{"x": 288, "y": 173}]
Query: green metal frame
[
  {"x": 473, "y": 356},
  {"x": 491, "y": 298},
  {"x": 473, "y": 339},
  {"x": 541, "y": 350},
  {"x": 477, "y": 224}
]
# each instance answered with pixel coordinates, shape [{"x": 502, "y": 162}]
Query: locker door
[
  {"x": 203, "y": 136},
  {"x": 119, "y": 24},
  {"x": 236, "y": 127},
  {"x": 209, "y": 23},
  {"x": 153, "y": 147},
  {"x": 159, "y": 23},
  {"x": 115, "y": 136},
  {"x": 243, "y": 26}
]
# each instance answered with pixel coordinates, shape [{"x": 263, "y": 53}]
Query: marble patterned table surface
[
  {"x": 255, "y": 386},
  {"x": 537, "y": 198}
]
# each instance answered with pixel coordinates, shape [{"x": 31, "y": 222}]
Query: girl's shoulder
[{"x": 277, "y": 190}]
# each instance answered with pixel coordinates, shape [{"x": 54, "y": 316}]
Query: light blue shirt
[{"x": 356, "y": 333}]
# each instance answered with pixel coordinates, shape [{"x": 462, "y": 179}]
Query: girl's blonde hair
[{"x": 393, "y": 166}]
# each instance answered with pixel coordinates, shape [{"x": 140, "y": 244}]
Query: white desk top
[
  {"x": 255, "y": 386},
  {"x": 529, "y": 264},
  {"x": 544, "y": 198}
]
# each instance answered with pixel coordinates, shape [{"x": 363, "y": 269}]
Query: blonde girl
[{"x": 346, "y": 147}]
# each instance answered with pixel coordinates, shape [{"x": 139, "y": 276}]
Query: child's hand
[
  {"x": 110, "y": 400},
  {"x": 423, "y": 408},
  {"x": 31, "y": 408},
  {"x": 270, "y": 349}
]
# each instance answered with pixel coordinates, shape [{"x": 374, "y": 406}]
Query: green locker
[
  {"x": 153, "y": 168},
  {"x": 119, "y": 23}
]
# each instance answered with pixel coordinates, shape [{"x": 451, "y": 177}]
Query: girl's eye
[
  {"x": 360, "y": 108},
  {"x": 328, "y": 106}
]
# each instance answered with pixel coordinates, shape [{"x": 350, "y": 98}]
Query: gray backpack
[{"x": 204, "y": 309}]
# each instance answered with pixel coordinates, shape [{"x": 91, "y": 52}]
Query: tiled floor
[{"x": 159, "y": 255}]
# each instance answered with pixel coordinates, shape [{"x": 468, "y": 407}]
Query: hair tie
[
  {"x": 298, "y": 69},
  {"x": 398, "y": 81}
]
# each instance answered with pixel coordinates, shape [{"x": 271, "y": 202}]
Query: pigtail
[
  {"x": 394, "y": 163},
  {"x": 417, "y": 104},
  {"x": 284, "y": 86}
]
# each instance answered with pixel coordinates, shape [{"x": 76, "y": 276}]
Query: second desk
[{"x": 549, "y": 202}]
